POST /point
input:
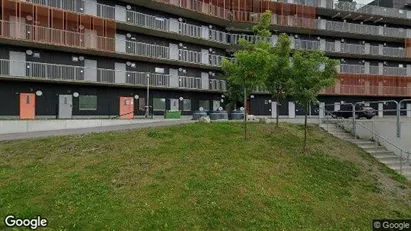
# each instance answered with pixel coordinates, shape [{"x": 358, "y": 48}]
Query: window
[
  {"x": 88, "y": 102},
  {"x": 27, "y": 99},
  {"x": 159, "y": 70},
  {"x": 159, "y": 104},
  {"x": 187, "y": 105},
  {"x": 205, "y": 104},
  {"x": 142, "y": 104}
]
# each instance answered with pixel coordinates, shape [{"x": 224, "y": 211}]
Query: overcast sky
[{"x": 363, "y": 2}]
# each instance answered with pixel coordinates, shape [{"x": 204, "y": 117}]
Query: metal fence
[
  {"x": 189, "y": 82},
  {"x": 149, "y": 21},
  {"x": 189, "y": 56},
  {"x": 145, "y": 49}
]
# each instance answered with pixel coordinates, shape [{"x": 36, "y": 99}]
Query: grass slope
[{"x": 197, "y": 177}]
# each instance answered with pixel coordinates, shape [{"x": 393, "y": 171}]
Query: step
[
  {"x": 396, "y": 166},
  {"x": 371, "y": 147},
  {"x": 362, "y": 142},
  {"x": 387, "y": 158},
  {"x": 379, "y": 152}
]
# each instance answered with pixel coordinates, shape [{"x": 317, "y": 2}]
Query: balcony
[
  {"x": 363, "y": 90},
  {"x": 58, "y": 72},
  {"x": 374, "y": 70}
]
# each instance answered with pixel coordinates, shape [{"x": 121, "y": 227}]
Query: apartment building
[{"x": 92, "y": 58}]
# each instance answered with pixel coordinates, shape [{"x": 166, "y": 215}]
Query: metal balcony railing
[
  {"x": 148, "y": 21},
  {"x": 234, "y": 38},
  {"x": 394, "y": 52},
  {"x": 364, "y": 90},
  {"x": 217, "y": 85},
  {"x": 374, "y": 70},
  {"x": 89, "y": 39},
  {"x": 189, "y": 82},
  {"x": 352, "y": 48},
  {"x": 218, "y": 36},
  {"x": 145, "y": 49},
  {"x": 106, "y": 11},
  {"x": 349, "y": 68},
  {"x": 306, "y": 44},
  {"x": 73, "y": 5},
  {"x": 106, "y": 75},
  {"x": 330, "y": 46},
  {"x": 375, "y": 50},
  {"x": 47, "y": 71},
  {"x": 189, "y": 56},
  {"x": 397, "y": 71},
  {"x": 216, "y": 60},
  {"x": 189, "y": 30}
]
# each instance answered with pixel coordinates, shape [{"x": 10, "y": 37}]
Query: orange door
[
  {"x": 27, "y": 106},
  {"x": 126, "y": 107}
]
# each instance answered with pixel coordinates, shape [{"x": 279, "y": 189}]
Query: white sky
[{"x": 363, "y": 2}]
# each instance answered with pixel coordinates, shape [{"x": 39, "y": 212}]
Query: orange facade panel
[
  {"x": 21, "y": 20},
  {"x": 126, "y": 108},
  {"x": 370, "y": 85},
  {"x": 27, "y": 106}
]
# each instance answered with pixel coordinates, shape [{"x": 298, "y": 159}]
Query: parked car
[{"x": 360, "y": 111}]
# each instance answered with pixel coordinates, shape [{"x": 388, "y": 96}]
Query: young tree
[
  {"x": 279, "y": 72},
  {"x": 249, "y": 67},
  {"x": 311, "y": 72}
]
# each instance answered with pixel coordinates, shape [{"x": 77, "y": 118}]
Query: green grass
[{"x": 199, "y": 177}]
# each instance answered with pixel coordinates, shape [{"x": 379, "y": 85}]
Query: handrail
[{"x": 391, "y": 143}]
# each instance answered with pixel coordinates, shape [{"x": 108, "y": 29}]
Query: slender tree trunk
[
  {"x": 245, "y": 113},
  {"x": 277, "y": 111},
  {"x": 305, "y": 127}
]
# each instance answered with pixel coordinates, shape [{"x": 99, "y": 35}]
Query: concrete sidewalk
[{"x": 39, "y": 134}]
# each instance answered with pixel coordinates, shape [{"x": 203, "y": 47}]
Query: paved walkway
[{"x": 30, "y": 135}]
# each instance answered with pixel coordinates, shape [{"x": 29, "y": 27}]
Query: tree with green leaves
[
  {"x": 279, "y": 71},
  {"x": 249, "y": 67},
  {"x": 311, "y": 72}
]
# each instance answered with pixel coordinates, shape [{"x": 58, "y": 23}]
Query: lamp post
[{"x": 148, "y": 96}]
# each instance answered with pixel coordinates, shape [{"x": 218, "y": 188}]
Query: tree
[
  {"x": 279, "y": 70},
  {"x": 249, "y": 67},
  {"x": 311, "y": 72}
]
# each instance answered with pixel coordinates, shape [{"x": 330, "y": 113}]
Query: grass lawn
[{"x": 199, "y": 177}]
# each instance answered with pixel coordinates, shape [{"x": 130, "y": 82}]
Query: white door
[
  {"x": 216, "y": 105},
  {"x": 291, "y": 109},
  {"x": 17, "y": 63},
  {"x": 274, "y": 109},
  {"x": 174, "y": 105}
]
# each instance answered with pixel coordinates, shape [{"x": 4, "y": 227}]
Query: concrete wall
[
  {"x": 387, "y": 128},
  {"x": 22, "y": 126}
]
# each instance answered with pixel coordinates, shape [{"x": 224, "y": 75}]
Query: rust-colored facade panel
[
  {"x": 370, "y": 85},
  {"x": 126, "y": 108},
  {"x": 38, "y": 23},
  {"x": 27, "y": 106}
]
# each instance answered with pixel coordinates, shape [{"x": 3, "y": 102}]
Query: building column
[
  {"x": 381, "y": 49},
  {"x": 174, "y": 25},
  {"x": 367, "y": 48},
  {"x": 408, "y": 70},
  {"x": 380, "y": 110},
  {"x": 205, "y": 82},
  {"x": 337, "y": 106},
  {"x": 90, "y": 7},
  {"x": 205, "y": 32},
  {"x": 380, "y": 30},
  {"x": 321, "y": 112},
  {"x": 205, "y": 56},
  {"x": 174, "y": 51},
  {"x": 291, "y": 109},
  {"x": 322, "y": 44},
  {"x": 174, "y": 78},
  {"x": 337, "y": 46},
  {"x": 120, "y": 43},
  {"x": 380, "y": 68},
  {"x": 408, "y": 109},
  {"x": 120, "y": 73},
  {"x": 337, "y": 88},
  {"x": 367, "y": 68},
  {"x": 274, "y": 109},
  {"x": 274, "y": 39},
  {"x": 292, "y": 40},
  {"x": 120, "y": 13},
  {"x": 322, "y": 24}
]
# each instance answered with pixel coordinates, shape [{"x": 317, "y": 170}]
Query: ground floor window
[
  {"x": 187, "y": 105},
  {"x": 205, "y": 104},
  {"x": 216, "y": 104},
  {"x": 87, "y": 102},
  {"x": 159, "y": 104}
]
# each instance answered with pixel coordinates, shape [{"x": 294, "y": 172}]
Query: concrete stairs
[{"x": 380, "y": 153}]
